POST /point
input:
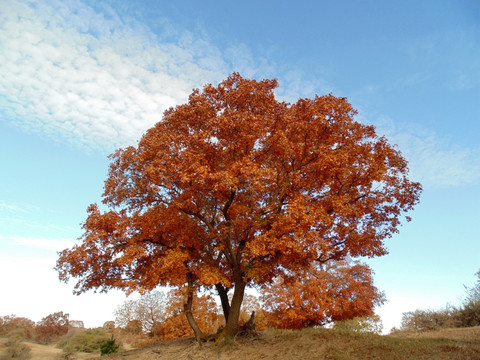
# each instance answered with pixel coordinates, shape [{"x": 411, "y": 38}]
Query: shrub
[
  {"x": 16, "y": 350},
  {"x": 423, "y": 320},
  {"x": 109, "y": 325},
  {"x": 467, "y": 315},
  {"x": 370, "y": 324},
  {"x": 470, "y": 312},
  {"x": 109, "y": 347},
  {"x": 87, "y": 341}
]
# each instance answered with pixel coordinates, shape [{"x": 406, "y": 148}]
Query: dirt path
[{"x": 45, "y": 352}]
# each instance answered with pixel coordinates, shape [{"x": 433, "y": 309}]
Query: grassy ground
[
  {"x": 323, "y": 344},
  {"x": 471, "y": 334},
  {"x": 451, "y": 344}
]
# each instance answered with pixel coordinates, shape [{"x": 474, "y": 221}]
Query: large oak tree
[{"x": 234, "y": 188}]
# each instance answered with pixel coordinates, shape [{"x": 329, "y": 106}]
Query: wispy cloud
[
  {"x": 458, "y": 66},
  {"x": 434, "y": 161},
  {"x": 15, "y": 207},
  {"x": 27, "y": 223},
  {"x": 296, "y": 84},
  {"x": 9, "y": 207},
  {"x": 18, "y": 217},
  {"x": 42, "y": 243},
  {"x": 68, "y": 70}
]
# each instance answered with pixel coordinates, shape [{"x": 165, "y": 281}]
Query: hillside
[
  {"x": 448, "y": 344},
  {"x": 322, "y": 344}
]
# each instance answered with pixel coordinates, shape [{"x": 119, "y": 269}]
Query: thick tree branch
[
  {"x": 199, "y": 217},
  {"x": 227, "y": 205}
]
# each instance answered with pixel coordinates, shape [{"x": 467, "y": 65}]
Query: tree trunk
[
  {"x": 223, "y": 294},
  {"x": 187, "y": 309},
  {"x": 231, "y": 327}
]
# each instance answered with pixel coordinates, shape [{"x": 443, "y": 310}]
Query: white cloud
[
  {"x": 433, "y": 161},
  {"x": 437, "y": 163},
  {"x": 101, "y": 81},
  {"x": 42, "y": 243},
  {"x": 66, "y": 69}
]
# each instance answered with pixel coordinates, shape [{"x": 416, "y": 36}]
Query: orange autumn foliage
[
  {"x": 234, "y": 188},
  {"x": 321, "y": 295},
  {"x": 13, "y": 325}
]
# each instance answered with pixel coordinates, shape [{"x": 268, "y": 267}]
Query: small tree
[
  {"x": 52, "y": 326},
  {"x": 110, "y": 346},
  {"x": 148, "y": 310},
  {"x": 335, "y": 292},
  {"x": 125, "y": 313}
]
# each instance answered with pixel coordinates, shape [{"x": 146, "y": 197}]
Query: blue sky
[{"x": 79, "y": 79}]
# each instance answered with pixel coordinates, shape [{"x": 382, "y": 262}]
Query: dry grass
[
  {"x": 319, "y": 344},
  {"x": 461, "y": 334},
  {"x": 449, "y": 344}
]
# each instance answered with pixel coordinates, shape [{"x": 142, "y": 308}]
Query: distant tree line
[
  {"x": 46, "y": 330},
  {"x": 55, "y": 328}
]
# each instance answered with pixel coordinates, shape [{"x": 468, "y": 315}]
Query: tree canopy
[{"x": 234, "y": 188}]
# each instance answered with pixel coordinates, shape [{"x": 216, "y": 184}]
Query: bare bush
[{"x": 16, "y": 350}]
